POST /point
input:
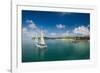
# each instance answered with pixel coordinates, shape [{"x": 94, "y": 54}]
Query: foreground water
[{"x": 56, "y": 50}]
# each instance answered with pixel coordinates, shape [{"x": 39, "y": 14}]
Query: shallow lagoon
[{"x": 57, "y": 50}]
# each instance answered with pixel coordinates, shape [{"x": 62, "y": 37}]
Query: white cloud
[
  {"x": 66, "y": 33},
  {"x": 29, "y": 21},
  {"x": 82, "y": 30},
  {"x": 53, "y": 34},
  {"x": 24, "y": 29},
  {"x": 31, "y": 24},
  {"x": 27, "y": 33},
  {"x": 88, "y": 26},
  {"x": 60, "y": 26},
  {"x": 64, "y": 13},
  {"x": 30, "y": 30}
]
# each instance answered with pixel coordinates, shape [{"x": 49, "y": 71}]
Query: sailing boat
[{"x": 40, "y": 43}]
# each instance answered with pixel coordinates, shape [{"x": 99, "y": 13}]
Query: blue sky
[{"x": 55, "y": 23}]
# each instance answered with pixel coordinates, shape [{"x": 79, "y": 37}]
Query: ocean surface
[{"x": 57, "y": 50}]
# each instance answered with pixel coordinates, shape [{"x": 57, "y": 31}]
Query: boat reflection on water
[{"x": 41, "y": 53}]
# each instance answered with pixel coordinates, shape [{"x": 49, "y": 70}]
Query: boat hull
[{"x": 41, "y": 45}]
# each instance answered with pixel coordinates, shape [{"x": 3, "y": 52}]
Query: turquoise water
[{"x": 56, "y": 50}]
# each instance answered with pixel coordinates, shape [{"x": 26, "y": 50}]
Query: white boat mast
[{"x": 36, "y": 38}]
